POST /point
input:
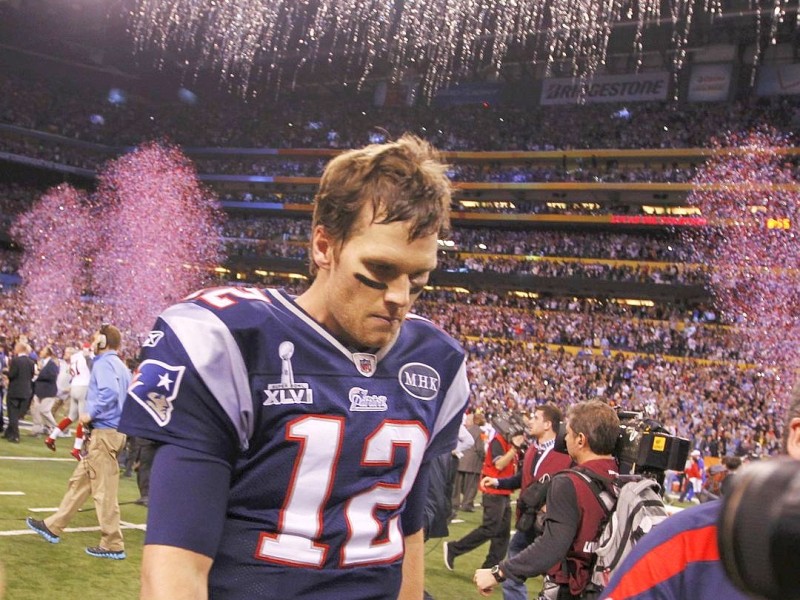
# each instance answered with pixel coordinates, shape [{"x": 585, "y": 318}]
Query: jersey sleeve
[
  {"x": 443, "y": 440},
  {"x": 191, "y": 388},
  {"x": 182, "y": 473},
  {"x": 445, "y": 434}
]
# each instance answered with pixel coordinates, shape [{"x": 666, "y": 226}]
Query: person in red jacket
[{"x": 501, "y": 461}]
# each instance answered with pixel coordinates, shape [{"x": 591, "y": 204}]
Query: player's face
[{"x": 373, "y": 279}]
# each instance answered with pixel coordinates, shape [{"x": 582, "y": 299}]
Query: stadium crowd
[
  {"x": 468, "y": 250},
  {"x": 676, "y": 362},
  {"x": 63, "y": 151},
  {"x": 349, "y": 120},
  {"x": 519, "y": 358},
  {"x": 662, "y": 247}
]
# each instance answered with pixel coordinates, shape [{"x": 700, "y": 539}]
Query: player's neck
[{"x": 314, "y": 302}]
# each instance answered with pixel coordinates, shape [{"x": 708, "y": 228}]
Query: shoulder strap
[{"x": 598, "y": 485}]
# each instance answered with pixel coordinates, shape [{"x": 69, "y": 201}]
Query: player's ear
[{"x": 322, "y": 247}]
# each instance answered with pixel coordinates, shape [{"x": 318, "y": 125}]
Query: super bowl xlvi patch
[
  {"x": 420, "y": 380},
  {"x": 155, "y": 386},
  {"x": 288, "y": 391}
]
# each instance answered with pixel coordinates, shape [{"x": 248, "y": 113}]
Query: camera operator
[
  {"x": 573, "y": 514},
  {"x": 680, "y": 559},
  {"x": 501, "y": 461},
  {"x": 534, "y": 480}
]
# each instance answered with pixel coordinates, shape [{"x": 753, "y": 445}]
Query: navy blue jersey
[
  {"x": 678, "y": 560},
  {"x": 325, "y": 445}
]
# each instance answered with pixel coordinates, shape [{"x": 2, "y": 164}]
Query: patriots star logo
[{"x": 155, "y": 387}]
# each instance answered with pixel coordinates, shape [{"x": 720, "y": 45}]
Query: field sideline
[{"x": 32, "y": 482}]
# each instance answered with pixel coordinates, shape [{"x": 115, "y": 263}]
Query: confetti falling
[
  {"x": 749, "y": 189},
  {"x": 55, "y": 233},
  {"x": 247, "y": 41},
  {"x": 160, "y": 235}
]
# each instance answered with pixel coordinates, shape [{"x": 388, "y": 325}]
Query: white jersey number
[{"x": 301, "y": 521}]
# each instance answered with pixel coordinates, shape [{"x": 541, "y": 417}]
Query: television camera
[
  {"x": 643, "y": 447},
  {"x": 509, "y": 424}
]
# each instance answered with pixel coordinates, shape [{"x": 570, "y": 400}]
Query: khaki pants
[
  {"x": 97, "y": 475},
  {"x": 42, "y": 413}
]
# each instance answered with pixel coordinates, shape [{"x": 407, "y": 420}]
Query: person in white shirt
[{"x": 78, "y": 386}]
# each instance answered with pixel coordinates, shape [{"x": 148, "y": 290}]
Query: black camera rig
[
  {"x": 643, "y": 447},
  {"x": 508, "y": 424}
]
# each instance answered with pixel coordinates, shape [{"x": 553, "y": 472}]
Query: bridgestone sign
[{"x": 644, "y": 87}]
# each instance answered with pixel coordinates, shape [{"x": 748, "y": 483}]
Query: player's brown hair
[{"x": 404, "y": 180}]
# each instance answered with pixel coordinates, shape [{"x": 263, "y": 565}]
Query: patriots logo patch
[{"x": 155, "y": 386}]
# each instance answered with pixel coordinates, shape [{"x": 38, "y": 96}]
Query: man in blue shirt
[{"x": 98, "y": 474}]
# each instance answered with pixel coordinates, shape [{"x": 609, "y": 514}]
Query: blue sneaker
[
  {"x": 40, "y": 528},
  {"x": 100, "y": 552}
]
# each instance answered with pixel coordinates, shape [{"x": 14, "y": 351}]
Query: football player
[{"x": 295, "y": 433}]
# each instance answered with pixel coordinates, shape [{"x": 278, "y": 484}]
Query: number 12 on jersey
[{"x": 296, "y": 541}]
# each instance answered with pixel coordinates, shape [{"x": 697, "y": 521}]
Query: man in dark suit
[
  {"x": 45, "y": 390},
  {"x": 21, "y": 370}
]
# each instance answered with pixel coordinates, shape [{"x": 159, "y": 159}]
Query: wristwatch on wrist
[{"x": 498, "y": 574}]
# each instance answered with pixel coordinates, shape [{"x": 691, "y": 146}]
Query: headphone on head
[{"x": 102, "y": 341}]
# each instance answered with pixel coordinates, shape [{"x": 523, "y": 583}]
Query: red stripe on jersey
[{"x": 667, "y": 560}]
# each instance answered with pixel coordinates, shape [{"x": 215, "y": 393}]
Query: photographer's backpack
[{"x": 637, "y": 509}]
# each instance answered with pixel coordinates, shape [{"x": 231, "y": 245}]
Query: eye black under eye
[{"x": 375, "y": 285}]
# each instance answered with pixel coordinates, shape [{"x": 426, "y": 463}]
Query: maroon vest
[
  {"x": 552, "y": 464},
  {"x": 578, "y": 561}
]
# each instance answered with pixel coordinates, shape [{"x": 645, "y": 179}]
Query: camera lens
[{"x": 759, "y": 529}]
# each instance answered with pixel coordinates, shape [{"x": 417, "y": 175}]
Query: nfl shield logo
[{"x": 365, "y": 363}]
